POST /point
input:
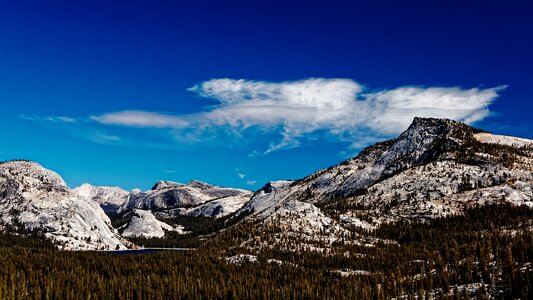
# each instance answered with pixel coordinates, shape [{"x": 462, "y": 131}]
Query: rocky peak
[
  {"x": 31, "y": 172},
  {"x": 200, "y": 185},
  {"x": 163, "y": 184},
  {"x": 436, "y": 168},
  {"x": 422, "y": 122},
  {"x": 273, "y": 186},
  {"x": 425, "y": 140}
]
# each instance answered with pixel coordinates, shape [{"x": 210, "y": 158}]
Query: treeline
[
  {"x": 48, "y": 274},
  {"x": 486, "y": 252}
]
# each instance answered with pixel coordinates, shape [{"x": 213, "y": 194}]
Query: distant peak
[
  {"x": 274, "y": 185},
  {"x": 163, "y": 184},
  {"x": 199, "y": 184}
]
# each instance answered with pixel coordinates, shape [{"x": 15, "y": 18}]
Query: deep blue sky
[{"x": 78, "y": 59}]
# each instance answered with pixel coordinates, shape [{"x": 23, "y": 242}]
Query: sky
[{"x": 240, "y": 93}]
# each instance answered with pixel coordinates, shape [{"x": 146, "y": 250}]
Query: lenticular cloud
[{"x": 298, "y": 109}]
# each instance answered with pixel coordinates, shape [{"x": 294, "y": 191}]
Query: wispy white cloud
[
  {"x": 245, "y": 178},
  {"x": 391, "y": 111},
  {"x": 52, "y": 119},
  {"x": 337, "y": 106},
  {"x": 296, "y": 111},
  {"x": 77, "y": 127},
  {"x": 140, "y": 119},
  {"x": 105, "y": 138}
]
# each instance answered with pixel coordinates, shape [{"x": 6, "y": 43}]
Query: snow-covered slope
[
  {"x": 109, "y": 198},
  {"x": 437, "y": 167},
  {"x": 142, "y": 223},
  {"x": 267, "y": 199},
  {"x": 212, "y": 209},
  {"x": 220, "y": 207},
  {"x": 194, "y": 198},
  {"x": 35, "y": 198},
  {"x": 443, "y": 151},
  {"x": 503, "y": 140}
]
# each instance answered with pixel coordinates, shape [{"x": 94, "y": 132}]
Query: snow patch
[{"x": 240, "y": 259}]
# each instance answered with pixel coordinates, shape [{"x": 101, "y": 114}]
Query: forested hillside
[{"x": 488, "y": 252}]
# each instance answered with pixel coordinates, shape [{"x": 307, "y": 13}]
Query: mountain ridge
[{"x": 435, "y": 168}]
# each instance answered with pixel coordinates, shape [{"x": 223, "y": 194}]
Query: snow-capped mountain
[
  {"x": 194, "y": 199},
  {"x": 109, "y": 198},
  {"x": 36, "y": 199},
  {"x": 435, "y": 168}
]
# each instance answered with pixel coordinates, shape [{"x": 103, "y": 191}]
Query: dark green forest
[{"x": 488, "y": 247}]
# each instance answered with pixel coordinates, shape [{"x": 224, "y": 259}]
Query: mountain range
[{"x": 436, "y": 168}]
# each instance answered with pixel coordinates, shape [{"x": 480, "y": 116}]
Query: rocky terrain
[
  {"x": 167, "y": 195},
  {"x": 196, "y": 198},
  {"x": 109, "y": 198},
  {"x": 35, "y": 199},
  {"x": 436, "y": 168},
  {"x": 143, "y": 214},
  {"x": 142, "y": 223}
]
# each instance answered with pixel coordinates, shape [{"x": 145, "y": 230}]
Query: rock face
[
  {"x": 435, "y": 168},
  {"x": 218, "y": 208},
  {"x": 143, "y": 224},
  {"x": 109, "y": 198},
  {"x": 194, "y": 199},
  {"x": 168, "y": 200},
  {"x": 36, "y": 199}
]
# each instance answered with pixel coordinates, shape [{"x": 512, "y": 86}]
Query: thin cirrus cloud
[
  {"x": 140, "y": 119},
  {"x": 296, "y": 110}
]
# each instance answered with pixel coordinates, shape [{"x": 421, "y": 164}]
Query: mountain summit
[{"x": 436, "y": 168}]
